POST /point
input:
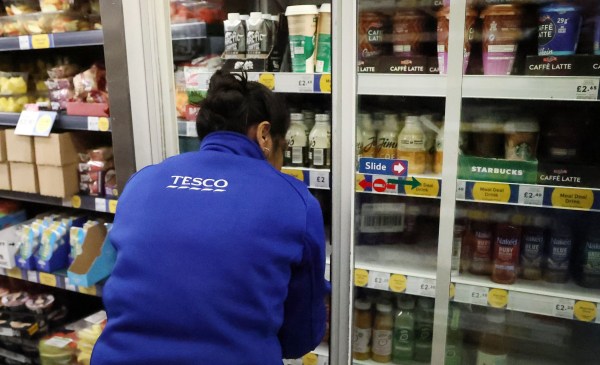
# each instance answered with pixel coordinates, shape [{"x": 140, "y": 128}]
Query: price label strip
[
  {"x": 305, "y": 83},
  {"x": 531, "y": 195},
  {"x": 563, "y": 308},
  {"x": 379, "y": 280},
  {"x": 319, "y": 179},
  {"x": 421, "y": 286},
  {"x": 461, "y": 190},
  {"x": 35, "y": 123},
  {"x": 587, "y": 89}
]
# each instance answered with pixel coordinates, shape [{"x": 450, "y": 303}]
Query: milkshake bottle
[
  {"x": 297, "y": 142},
  {"x": 309, "y": 119},
  {"x": 256, "y": 29},
  {"x": 388, "y": 138},
  {"x": 319, "y": 154},
  {"x": 266, "y": 38},
  {"x": 235, "y": 37},
  {"x": 501, "y": 36},
  {"x": 368, "y": 136},
  {"x": 411, "y": 146}
]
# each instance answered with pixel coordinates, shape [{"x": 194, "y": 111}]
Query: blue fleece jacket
[{"x": 220, "y": 261}]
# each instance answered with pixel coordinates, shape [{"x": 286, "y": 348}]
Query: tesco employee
[{"x": 220, "y": 255}]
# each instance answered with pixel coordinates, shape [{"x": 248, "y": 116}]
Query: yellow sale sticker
[
  {"x": 267, "y": 79},
  {"x": 103, "y": 124},
  {"x": 491, "y": 192},
  {"x": 361, "y": 277},
  {"x": 40, "y": 41},
  {"x": 90, "y": 291},
  {"x": 325, "y": 83},
  {"x": 14, "y": 273},
  {"x": 44, "y": 124},
  {"x": 76, "y": 201},
  {"x": 310, "y": 359},
  {"x": 298, "y": 174},
  {"x": 498, "y": 298},
  {"x": 585, "y": 311},
  {"x": 428, "y": 187},
  {"x": 572, "y": 198},
  {"x": 398, "y": 283},
  {"x": 47, "y": 279},
  {"x": 112, "y": 206},
  {"x": 452, "y": 290}
]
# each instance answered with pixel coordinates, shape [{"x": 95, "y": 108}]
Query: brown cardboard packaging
[
  {"x": 4, "y": 176},
  {"x": 58, "y": 181},
  {"x": 2, "y": 145},
  {"x": 59, "y": 149},
  {"x": 24, "y": 177},
  {"x": 19, "y": 148}
]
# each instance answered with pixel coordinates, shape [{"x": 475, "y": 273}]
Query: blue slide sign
[{"x": 382, "y": 166}]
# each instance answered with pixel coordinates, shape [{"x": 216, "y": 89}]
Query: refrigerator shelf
[
  {"x": 65, "y": 122},
  {"x": 401, "y": 268},
  {"x": 559, "y": 197},
  {"x": 57, "y": 40},
  {"x": 531, "y": 87},
  {"x": 568, "y": 301},
  {"x": 56, "y": 280},
  {"x": 282, "y": 82},
  {"x": 313, "y": 178},
  {"x": 84, "y": 202},
  {"x": 402, "y": 85},
  {"x": 430, "y": 185}
]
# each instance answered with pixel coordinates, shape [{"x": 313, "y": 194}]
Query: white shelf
[
  {"x": 525, "y": 87},
  {"x": 401, "y": 85},
  {"x": 568, "y": 301},
  {"x": 409, "y": 269}
]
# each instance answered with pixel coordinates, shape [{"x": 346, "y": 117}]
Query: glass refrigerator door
[
  {"x": 525, "y": 275},
  {"x": 199, "y": 38},
  {"x": 401, "y": 52}
]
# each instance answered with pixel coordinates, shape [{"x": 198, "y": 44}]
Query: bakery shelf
[{"x": 65, "y": 122}]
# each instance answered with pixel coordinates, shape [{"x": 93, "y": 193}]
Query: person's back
[{"x": 220, "y": 261}]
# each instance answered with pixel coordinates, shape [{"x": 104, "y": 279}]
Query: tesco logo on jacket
[{"x": 198, "y": 184}]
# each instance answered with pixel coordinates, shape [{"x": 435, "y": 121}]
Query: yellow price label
[
  {"x": 428, "y": 187},
  {"x": 498, "y": 298},
  {"x": 267, "y": 79},
  {"x": 310, "y": 359},
  {"x": 40, "y": 41},
  {"x": 89, "y": 291},
  {"x": 47, "y": 279},
  {"x": 325, "y": 83},
  {"x": 398, "y": 283},
  {"x": 15, "y": 273},
  {"x": 452, "y": 291},
  {"x": 298, "y": 174},
  {"x": 572, "y": 198},
  {"x": 44, "y": 124},
  {"x": 112, "y": 206},
  {"x": 585, "y": 311},
  {"x": 361, "y": 277},
  {"x": 103, "y": 124},
  {"x": 491, "y": 192},
  {"x": 76, "y": 201}
]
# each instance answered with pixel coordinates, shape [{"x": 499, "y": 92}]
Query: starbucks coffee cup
[
  {"x": 324, "y": 40},
  {"x": 302, "y": 23}
]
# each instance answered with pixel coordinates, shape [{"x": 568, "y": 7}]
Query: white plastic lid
[
  {"x": 255, "y": 15},
  {"x": 296, "y": 117},
  {"x": 486, "y": 125},
  {"x": 362, "y": 304},
  {"x": 244, "y": 16},
  {"x": 266, "y": 16},
  {"x": 325, "y": 8},
  {"x": 321, "y": 118},
  {"x": 525, "y": 125},
  {"x": 233, "y": 16},
  {"x": 413, "y": 120},
  {"x": 384, "y": 307},
  {"x": 301, "y": 10},
  {"x": 275, "y": 18}
]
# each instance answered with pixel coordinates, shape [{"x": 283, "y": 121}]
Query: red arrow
[{"x": 365, "y": 184}]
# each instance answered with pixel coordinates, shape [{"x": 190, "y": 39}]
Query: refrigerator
[{"x": 463, "y": 194}]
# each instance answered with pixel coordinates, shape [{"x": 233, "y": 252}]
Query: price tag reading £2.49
[
  {"x": 531, "y": 195},
  {"x": 306, "y": 83},
  {"x": 563, "y": 308}
]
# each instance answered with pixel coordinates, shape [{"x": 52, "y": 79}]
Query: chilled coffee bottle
[
  {"x": 411, "y": 146},
  {"x": 368, "y": 136},
  {"x": 388, "y": 138},
  {"x": 382, "y": 333},
  {"x": 296, "y": 153},
  {"x": 319, "y": 153}
]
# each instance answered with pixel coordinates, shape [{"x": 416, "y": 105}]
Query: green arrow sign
[{"x": 414, "y": 183}]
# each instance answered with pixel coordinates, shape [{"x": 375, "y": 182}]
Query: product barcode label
[
  {"x": 318, "y": 157},
  {"x": 297, "y": 155},
  {"x": 382, "y": 218}
]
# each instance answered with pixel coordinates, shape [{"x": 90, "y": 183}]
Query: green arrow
[{"x": 414, "y": 183}]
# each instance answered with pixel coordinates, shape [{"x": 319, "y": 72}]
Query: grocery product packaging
[
  {"x": 501, "y": 35},
  {"x": 5, "y": 182},
  {"x": 96, "y": 260},
  {"x": 19, "y": 148},
  {"x": 558, "y": 29},
  {"x": 498, "y": 170},
  {"x": 302, "y": 24},
  {"x": 323, "y": 63},
  {"x": 24, "y": 177},
  {"x": 3, "y": 157},
  {"x": 58, "y": 181},
  {"x": 58, "y": 149},
  {"x": 443, "y": 30},
  {"x": 235, "y": 37}
]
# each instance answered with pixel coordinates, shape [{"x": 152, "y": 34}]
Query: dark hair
[{"x": 235, "y": 104}]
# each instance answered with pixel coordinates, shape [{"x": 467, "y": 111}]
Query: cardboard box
[
  {"x": 19, "y": 148},
  {"x": 24, "y": 177},
  {"x": 59, "y": 149},
  {"x": 58, "y": 181},
  {"x": 4, "y": 176},
  {"x": 497, "y": 170},
  {"x": 96, "y": 260},
  {"x": 3, "y": 145}
]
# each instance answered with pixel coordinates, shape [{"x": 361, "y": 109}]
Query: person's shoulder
[{"x": 296, "y": 186}]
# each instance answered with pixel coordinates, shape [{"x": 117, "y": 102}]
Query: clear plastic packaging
[
  {"x": 19, "y": 7},
  {"x": 55, "y": 5},
  {"x": 12, "y": 26},
  {"x": 196, "y": 11}
]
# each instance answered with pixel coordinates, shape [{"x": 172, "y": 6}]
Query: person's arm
[{"x": 304, "y": 310}]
